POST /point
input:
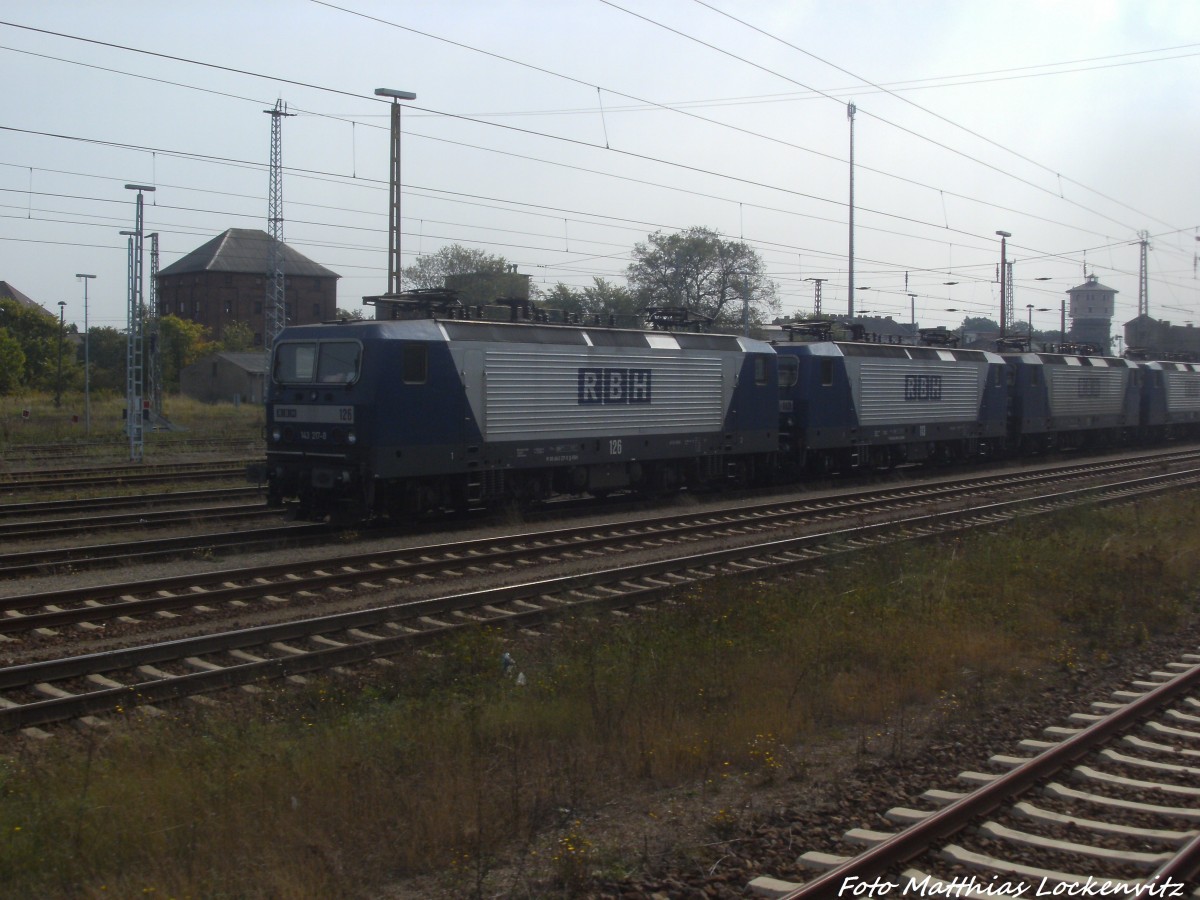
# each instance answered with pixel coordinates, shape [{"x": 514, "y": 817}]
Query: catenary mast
[{"x": 275, "y": 308}]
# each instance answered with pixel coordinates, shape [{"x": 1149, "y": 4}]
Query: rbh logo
[
  {"x": 614, "y": 386},
  {"x": 922, "y": 387}
]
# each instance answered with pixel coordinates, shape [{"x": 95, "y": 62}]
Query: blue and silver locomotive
[
  {"x": 391, "y": 418},
  {"x": 862, "y": 405}
]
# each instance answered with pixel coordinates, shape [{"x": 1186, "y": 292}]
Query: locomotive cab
[{"x": 313, "y": 421}]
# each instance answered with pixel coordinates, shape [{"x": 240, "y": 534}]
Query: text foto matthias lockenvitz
[{"x": 996, "y": 886}]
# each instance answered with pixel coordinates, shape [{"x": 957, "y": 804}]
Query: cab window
[
  {"x": 415, "y": 364},
  {"x": 827, "y": 372},
  {"x": 789, "y": 371},
  {"x": 319, "y": 362},
  {"x": 337, "y": 362}
]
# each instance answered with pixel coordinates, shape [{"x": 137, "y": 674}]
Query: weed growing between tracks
[{"x": 442, "y": 763}]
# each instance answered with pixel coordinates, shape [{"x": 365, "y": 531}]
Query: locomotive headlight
[
  {"x": 275, "y": 435},
  {"x": 351, "y": 438}
]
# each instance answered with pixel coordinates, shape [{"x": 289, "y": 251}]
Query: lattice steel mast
[
  {"x": 134, "y": 374},
  {"x": 1143, "y": 275},
  {"x": 275, "y": 308},
  {"x": 817, "y": 282},
  {"x": 1010, "y": 320},
  {"x": 154, "y": 357}
]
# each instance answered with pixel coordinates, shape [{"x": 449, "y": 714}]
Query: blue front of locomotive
[{"x": 352, "y": 403}]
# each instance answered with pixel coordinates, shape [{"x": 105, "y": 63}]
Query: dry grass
[
  {"x": 33, "y": 419},
  {"x": 440, "y": 763}
]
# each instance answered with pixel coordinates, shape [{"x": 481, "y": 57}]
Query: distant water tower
[{"x": 1093, "y": 306}]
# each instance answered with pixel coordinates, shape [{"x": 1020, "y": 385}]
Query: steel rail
[
  {"x": 33, "y": 561},
  {"x": 156, "y": 518},
  {"x": 786, "y": 553},
  {"x": 37, "y": 507},
  {"x": 922, "y": 836},
  {"x": 409, "y": 561}
]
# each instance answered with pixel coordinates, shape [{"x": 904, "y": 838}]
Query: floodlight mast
[{"x": 394, "y": 184}]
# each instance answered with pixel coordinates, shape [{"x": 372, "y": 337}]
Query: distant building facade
[
  {"x": 225, "y": 281},
  {"x": 226, "y": 378},
  {"x": 1162, "y": 340}
]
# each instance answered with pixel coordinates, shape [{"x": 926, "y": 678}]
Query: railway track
[
  {"x": 30, "y": 509},
  {"x": 112, "y": 451},
  {"x": 76, "y": 526},
  {"x": 131, "y": 475},
  {"x": 91, "y": 604},
  {"x": 77, "y": 557},
  {"x": 55, "y": 689},
  {"x": 1105, "y": 806}
]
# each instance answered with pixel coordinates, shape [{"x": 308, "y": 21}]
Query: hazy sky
[{"x": 559, "y": 133}]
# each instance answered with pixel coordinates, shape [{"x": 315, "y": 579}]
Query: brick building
[{"x": 225, "y": 281}]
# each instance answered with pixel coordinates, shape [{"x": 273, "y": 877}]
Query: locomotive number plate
[{"x": 324, "y": 414}]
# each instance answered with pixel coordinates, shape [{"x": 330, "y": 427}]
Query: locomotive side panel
[
  {"x": 559, "y": 395},
  {"x": 1182, "y": 392},
  {"x": 1095, "y": 390}
]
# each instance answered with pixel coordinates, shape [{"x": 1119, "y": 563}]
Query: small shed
[{"x": 226, "y": 378}]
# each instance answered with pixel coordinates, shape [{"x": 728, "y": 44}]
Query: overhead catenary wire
[{"x": 353, "y": 174}]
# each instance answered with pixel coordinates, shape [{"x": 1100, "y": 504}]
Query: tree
[
  {"x": 352, "y": 314},
  {"x": 603, "y": 300},
  {"x": 237, "y": 336},
  {"x": 980, "y": 324},
  {"x": 107, "y": 350},
  {"x": 699, "y": 270},
  {"x": 38, "y": 334},
  {"x": 181, "y": 343},
  {"x": 12, "y": 363}
]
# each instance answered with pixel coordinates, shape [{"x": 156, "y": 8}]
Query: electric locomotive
[
  {"x": 1066, "y": 401},
  {"x": 394, "y": 418},
  {"x": 863, "y": 405},
  {"x": 1170, "y": 400}
]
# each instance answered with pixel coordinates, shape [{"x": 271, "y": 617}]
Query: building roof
[
  {"x": 244, "y": 251},
  {"x": 8, "y": 292},
  {"x": 252, "y": 361},
  {"x": 1092, "y": 284}
]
